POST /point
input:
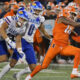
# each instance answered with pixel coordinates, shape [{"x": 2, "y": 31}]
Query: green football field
[{"x": 54, "y": 72}]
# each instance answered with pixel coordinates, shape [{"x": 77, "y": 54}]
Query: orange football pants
[{"x": 66, "y": 51}]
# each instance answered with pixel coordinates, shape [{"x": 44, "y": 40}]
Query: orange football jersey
[
  {"x": 11, "y": 13},
  {"x": 61, "y": 31}
]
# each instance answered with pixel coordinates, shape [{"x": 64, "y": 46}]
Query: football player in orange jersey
[
  {"x": 39, "y": 46},
  {"x": 60, "y": 45},
  {"x": 4, "y": 9},
  {"x": 13, "y": 11}
]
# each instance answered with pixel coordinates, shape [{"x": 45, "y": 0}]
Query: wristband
[{"x": 19, "y": 49}]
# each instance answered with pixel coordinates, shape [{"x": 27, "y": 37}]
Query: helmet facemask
[
  {"x": 22, "y": 18},
  {"x": 37, "y": 12},
  {"x": 21, "y": 22},
  {"x": 36, "y": 7}
]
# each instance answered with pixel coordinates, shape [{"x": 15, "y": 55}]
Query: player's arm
[
  {"x": 18, "y": 41},
  {"x": 41, "y": 28},
  {"x": 67, "y": 21},
  {"x": 3, "y": 28},
  {"x": 18, "y": 45}
]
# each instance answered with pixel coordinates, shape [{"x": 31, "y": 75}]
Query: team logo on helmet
[
  {"x": 20, "y": 12},
  {"x": 34, "y": 4}
]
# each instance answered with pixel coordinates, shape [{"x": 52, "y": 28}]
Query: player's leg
[
  {"x": 3, "y": 51},
  {"x": 30, "y": 54},
  {"x": 30, "y": 58},
  {"x": 41, "y": 46},
  {"x": 7, "y": 68},
  {"x": 3, "y": 56},
  {"x": 43, "y": 51},
  {"x": 51, "y": 53},
  {"x": 37, "y": 49},
  {"x": 12, "y": 63},
  {"x": 72, "y": 51}
]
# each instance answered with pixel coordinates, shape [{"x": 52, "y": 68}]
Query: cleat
[
  {"x": 28, "y": 77},
  {"x": 73, "y": 76},
  {"x": 16, "y": 77}
]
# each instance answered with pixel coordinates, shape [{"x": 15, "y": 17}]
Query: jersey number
[
  {"x": 68, "y": 29},
  {"x": 31, "y": 29}
]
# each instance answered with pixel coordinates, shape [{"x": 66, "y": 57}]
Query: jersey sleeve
[{"x": 8, "y": 19}]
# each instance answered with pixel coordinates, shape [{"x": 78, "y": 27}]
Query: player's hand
[
  {"x": 22, "y": 60},
  {"x": 11, "y": 43},
  {"x": 21, "y": 53}
]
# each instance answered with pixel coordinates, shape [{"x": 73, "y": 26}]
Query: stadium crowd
[{"x": 51, "y": 8}]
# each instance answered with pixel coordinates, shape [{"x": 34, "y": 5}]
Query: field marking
[
  {"x": 43, "y": 76},
  {"x": 43, "y": 71},
  {"x": 50, "y": 71},
  {"x": 52, "y": 64},
  {"x": 53, "y": 76}
]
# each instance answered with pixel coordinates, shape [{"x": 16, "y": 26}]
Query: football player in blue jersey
[
  {"x": 15, "y": 27},
  {"x": 35, "y": 21}
]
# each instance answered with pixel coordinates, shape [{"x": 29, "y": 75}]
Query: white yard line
[
  {"x": 50, "y": 71},
  {"x": 52, "y": 76},
  {"x": 43, "y": 71},
  {"x": 62, "y": 65},
  {"x": 44, "y": 77}
]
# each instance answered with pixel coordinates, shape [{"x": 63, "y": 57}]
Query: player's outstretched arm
[
  {"x": 41, "y": 28},
  {"x": 67, "y": 21}
]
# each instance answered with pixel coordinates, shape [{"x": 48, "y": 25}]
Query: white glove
[
  {"x": 22, "y": 55},
  {"x": 11, "y": 43},
  {"x": 22, "y": 60}
]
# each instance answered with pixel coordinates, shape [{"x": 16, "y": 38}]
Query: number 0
[{"x": 31, "y": 29}]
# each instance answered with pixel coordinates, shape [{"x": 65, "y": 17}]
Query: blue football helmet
[
  {"x": 22, "y": 14},
  {"x": 36, "y": 5}
]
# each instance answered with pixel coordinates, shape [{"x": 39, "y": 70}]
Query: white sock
[
  {"x": 74, "y": 71},
  {"x": 24, "y": 71},
  {"x": 5, "y": 70},
  {"x": 28, "y": 77}
]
